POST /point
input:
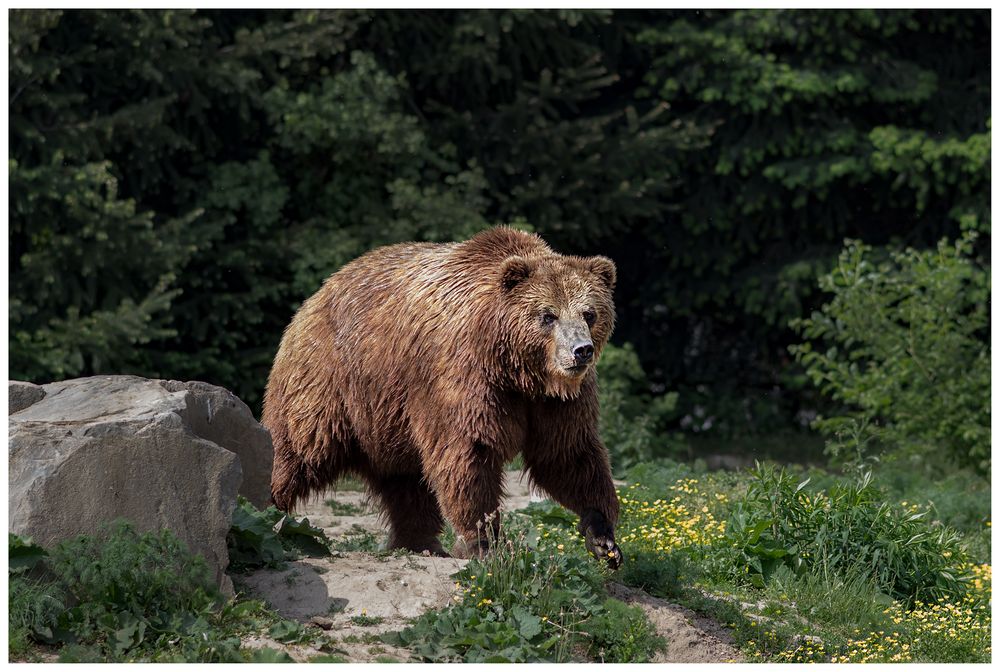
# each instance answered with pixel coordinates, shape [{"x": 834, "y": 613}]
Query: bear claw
[{"x": 599, "y": 538}]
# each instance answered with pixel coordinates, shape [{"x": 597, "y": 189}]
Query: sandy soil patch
[{"x": 341, "y": 593}]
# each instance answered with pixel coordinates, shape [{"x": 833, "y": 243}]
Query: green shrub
[
  {"x": 269, "y": 655},
  {"x": 149, "y": 573},
  {"x": 467, "y": 634},
  {"x": 22, "y": 554},
  {"x": 959, "y": 500},
  {"x": 288, "y": 632},
  {"x": 131, "y": 590},
  {"x": 903, "y": 344},
  {"x": 780, "y": 521},
  {"x": 513, "y": 575},
  {"x": 124, "y": 596}
]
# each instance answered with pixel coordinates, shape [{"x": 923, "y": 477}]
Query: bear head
[{"x": 560, "y": 311}]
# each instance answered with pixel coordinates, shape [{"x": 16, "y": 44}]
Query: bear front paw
[{"x": 599, "y": 537}]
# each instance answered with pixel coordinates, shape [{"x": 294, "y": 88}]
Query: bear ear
[
  {"x": 603, "y": 268},
  {"x": 515, "y": 270}
]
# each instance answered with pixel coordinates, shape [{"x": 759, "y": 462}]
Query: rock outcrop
[
  {"x": 21, "y": 395},
  {"x": 162, "y": 454}
]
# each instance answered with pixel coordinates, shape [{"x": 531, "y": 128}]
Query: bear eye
[
  {"x": 548, "y": 318},
  {"x": 589, "y": 316}
]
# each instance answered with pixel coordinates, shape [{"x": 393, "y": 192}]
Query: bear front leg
[
  {"x": 468, "y": 482},
  {"x": 578, "y": 476}
]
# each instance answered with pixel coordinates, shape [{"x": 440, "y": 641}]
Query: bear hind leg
[
  {"x": 294, "y": 478},
  {"x": 412, "y": 511}
]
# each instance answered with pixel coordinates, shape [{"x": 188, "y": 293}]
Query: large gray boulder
[{"x": 160, "y": 453}]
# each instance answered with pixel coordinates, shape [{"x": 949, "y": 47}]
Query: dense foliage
[
  {"x": 908, "y": 353},
  {"x": 181, "y": 180},
  {"x": 125, "y": 596}
]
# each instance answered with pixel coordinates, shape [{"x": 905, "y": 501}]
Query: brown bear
[{"x": 423, "y": 368}]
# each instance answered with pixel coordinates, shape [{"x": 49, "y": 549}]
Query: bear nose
[{"x": 583, "y": 353}]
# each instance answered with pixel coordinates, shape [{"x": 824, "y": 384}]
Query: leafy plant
[
  {"x": 147, "y": 573},
  {"x": 267, "y": 538},
  {"x": 268, "y": 655},
  {"x": 132, "y": 589},
  {"x": 467, "y": 634},
  {"x": 22, "y": 554},
  {"x": 632, "y": 418},
  {"x": 904, "y": 345},
  {"x": 288, "y": 632}
]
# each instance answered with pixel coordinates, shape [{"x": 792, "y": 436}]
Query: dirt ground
[{"x": 354, "y": 596}]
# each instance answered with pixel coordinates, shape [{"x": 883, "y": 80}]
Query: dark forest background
[{"x": 181, "y": 180}]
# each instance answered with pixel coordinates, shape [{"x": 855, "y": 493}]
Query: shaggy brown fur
[{"x": 423, "y": 368}]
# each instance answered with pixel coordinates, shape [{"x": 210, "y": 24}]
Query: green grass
[
  {"x": 343, "y": 508},
  {"x": 842, "y": 602},
  {"x": 359, "y": 539},
  {"x": 33, "y": 606},
  {"x": 782, "y": 522},
  {"x": 364, "y": 620}
]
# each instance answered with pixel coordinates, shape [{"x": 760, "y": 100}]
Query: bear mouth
[{"x": 576, "y": 370}]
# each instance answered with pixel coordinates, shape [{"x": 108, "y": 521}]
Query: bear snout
[{"x": 583, "y": 353}]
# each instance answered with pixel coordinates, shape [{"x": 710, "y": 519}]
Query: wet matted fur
[{"x": 423, "y": 368}]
